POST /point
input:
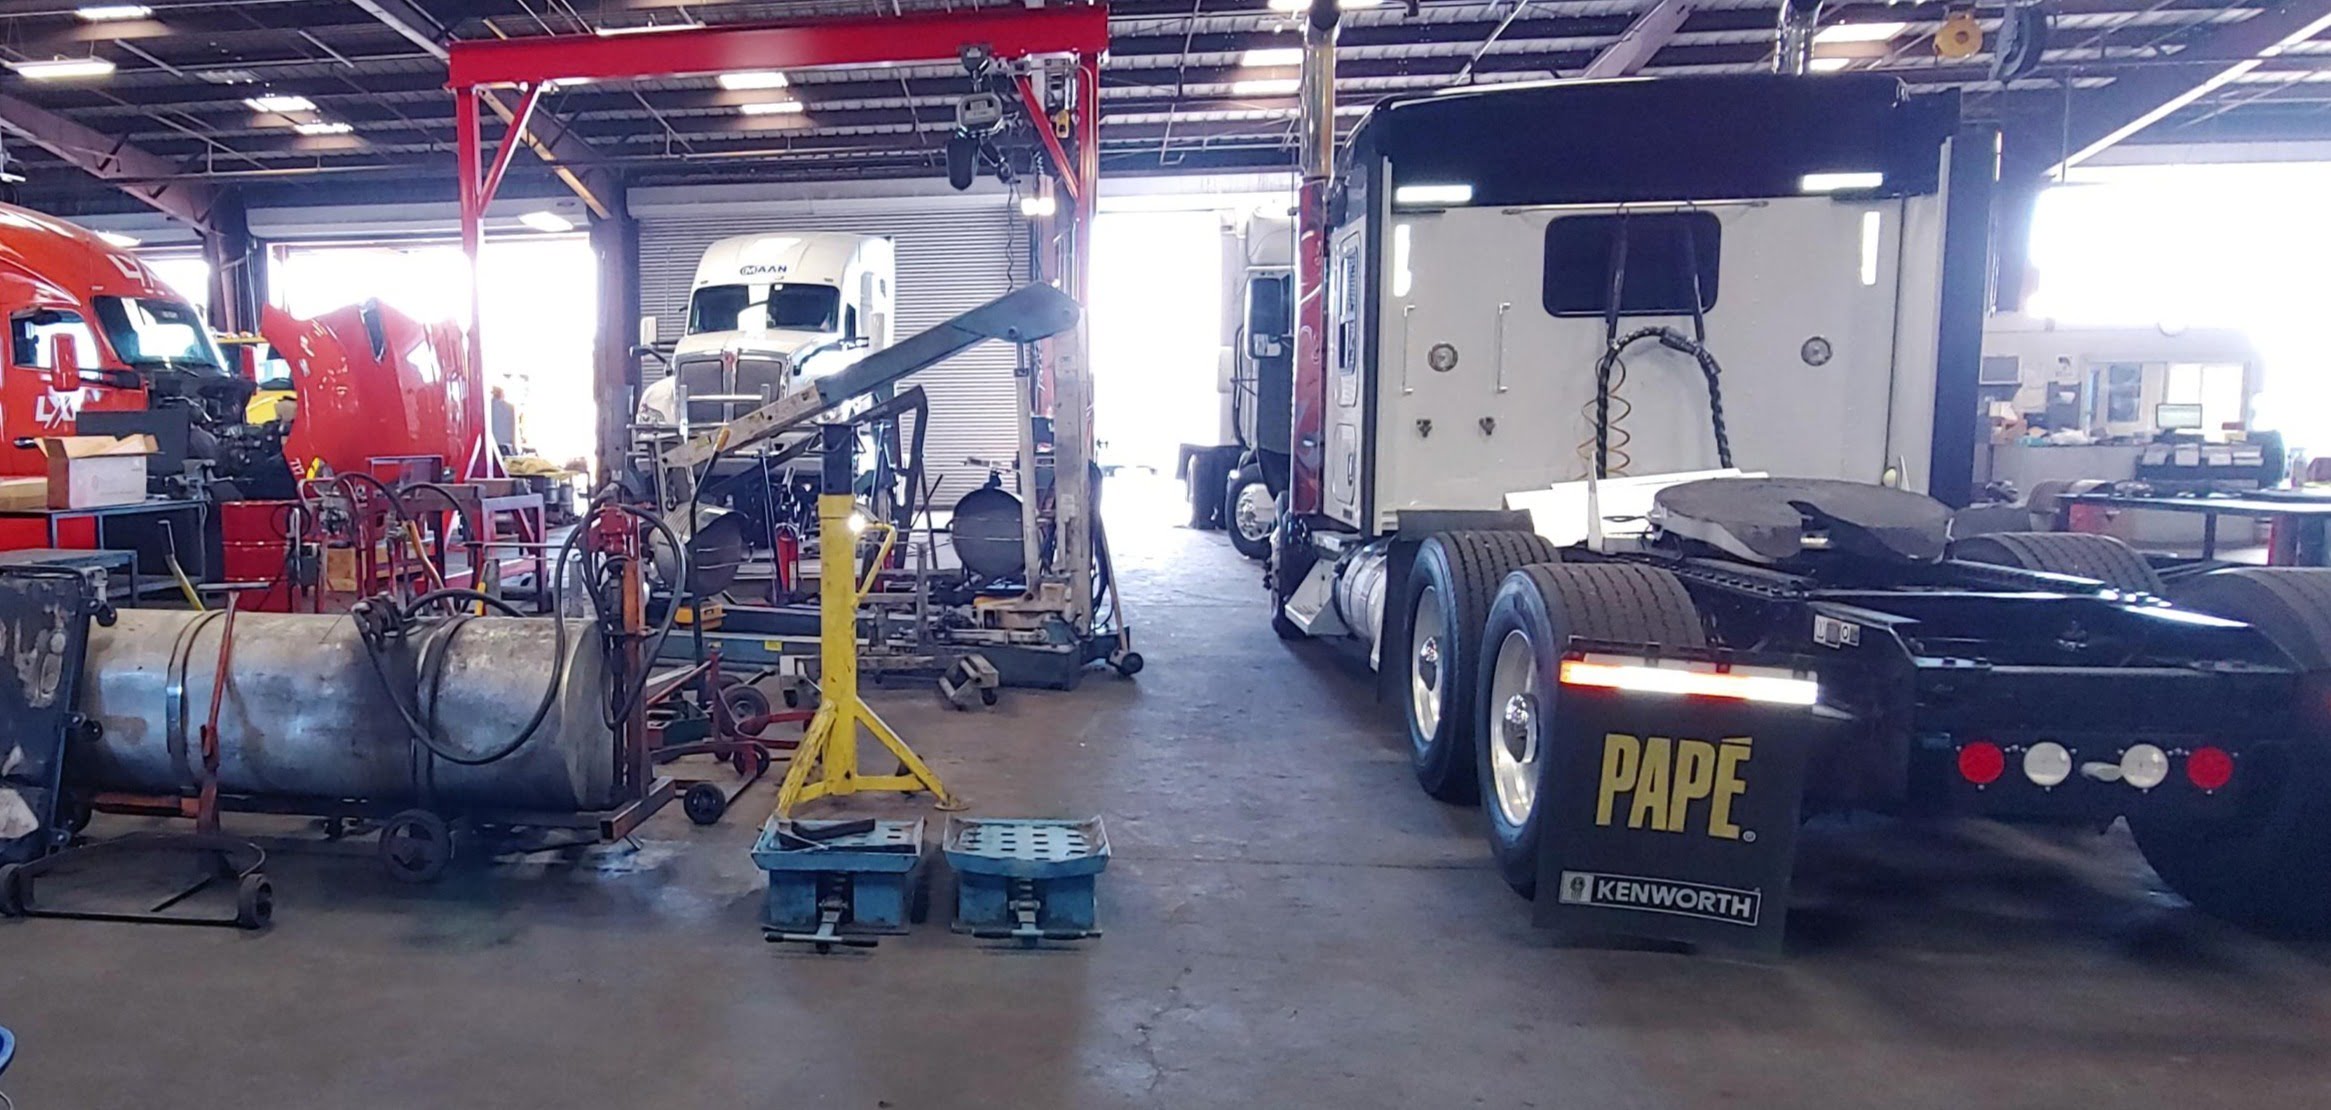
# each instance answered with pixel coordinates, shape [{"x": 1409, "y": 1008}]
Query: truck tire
[
  {"x": 1446, "y": 596},
  {"x": 2269, "y": 866},
  {"x": 2081, "y": 554},
  {"x": 1250, "y": 512},
  {"x": 1537, "y": 611}
]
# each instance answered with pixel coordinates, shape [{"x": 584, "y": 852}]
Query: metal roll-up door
[{"x": 954, "y": 253}]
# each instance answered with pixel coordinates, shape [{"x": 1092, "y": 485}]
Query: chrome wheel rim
[
  {"x": 1516, "y": 724},
  {"x": 1427, "y": 664},
  {"x": 1255, "y": 511}
]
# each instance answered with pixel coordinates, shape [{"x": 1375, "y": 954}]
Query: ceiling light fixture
[
  {"x": 1298, "y": 7},
  {"x": 62, "y": 69},
  {"x": 1829, "y": 65},
  {"x": 108, "y": 13},
  {"x": 749, "y": 80},
  {"x": 1859, "y": 32},
  {"x": 280, "y": 102},
  {"x": 1268, "y": 56},
  {"x": 1266, "y": 86},
  {"x": 771, "y": 107},
  {"x": 547, "y": 221},
  {"x": 647, "y": 28},
  {"x": 323, "y": 127}
]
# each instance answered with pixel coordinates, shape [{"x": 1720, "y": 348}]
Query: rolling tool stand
[
  {"x": 831, "y": 745},
  {"x": 1026, "y": 880},
  {"x": 45, "y": 611},
  {"x": 830, "y": 876}
]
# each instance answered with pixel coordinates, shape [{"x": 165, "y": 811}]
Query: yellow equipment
[{"x": 831, "y": 745}]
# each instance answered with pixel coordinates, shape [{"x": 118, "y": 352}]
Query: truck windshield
[
  {"x": 796, "y": 306},
  {"x": 157, "y": 334}
]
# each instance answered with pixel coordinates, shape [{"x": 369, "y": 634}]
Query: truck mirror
[
  {"x": 1263, "y": 346},
  {"x": 64, "y": 363},
  {"x": 647, "y": 331}
]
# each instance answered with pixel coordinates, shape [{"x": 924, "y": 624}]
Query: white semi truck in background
[
  {"x": 1235, "y": 481},
  {"x": 766, "y": 310}
]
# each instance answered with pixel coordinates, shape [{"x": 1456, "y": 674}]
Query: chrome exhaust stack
[{"x": 1793, "y": 54}]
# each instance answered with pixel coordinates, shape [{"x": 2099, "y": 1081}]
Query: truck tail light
[
  {"x": 2047, "y": 763},
  {"x": 2209, "y": 768},
  {"x": 1981, "y": 762},
  {"x": 2144, "y": 766}
]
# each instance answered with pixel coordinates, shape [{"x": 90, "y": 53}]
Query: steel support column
[
  {"x": 237, "y": 287},
  {"x": 615, "y": 372}
]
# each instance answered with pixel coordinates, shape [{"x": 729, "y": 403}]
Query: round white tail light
[
  {"x": 2144, "y": 766},
  {"x": 2047, "y": 763}
]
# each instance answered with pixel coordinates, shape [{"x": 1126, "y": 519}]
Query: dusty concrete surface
[{"x": 1291, "y": 923}]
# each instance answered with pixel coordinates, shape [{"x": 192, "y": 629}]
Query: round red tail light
[
  {"x": 1982, "y": 762},
  {"x": 2209, "y": 768}
]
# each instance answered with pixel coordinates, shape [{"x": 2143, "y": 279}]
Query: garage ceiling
[{"x": 1183, "y": 86}]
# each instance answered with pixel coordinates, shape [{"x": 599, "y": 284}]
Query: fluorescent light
[
  {"x": 1740, "y": 684},
  {"x": 1433, "y": 195},
  {"x": 1839, "y": 182},
  {"x": 647, "y": 28},
  {"x": 323, "y": 127},
  {"x": 118, "y": 239},
  {"x": 1268, "y": 56},
  {"x": 280, "y": 102},
  {"x": 105, "y": 13},
  {"x": 1859, "y": 32},
  {"x": 752, "y": 79},
  {"x": 62, "y": 69},
  {"x": 547, "y": 221},
  {"x": 771, "y": 107},
  {"x": 1266, "y": 86},
  {"x": 1032, "y": 207},
  {"x": 1828, "y": 64}
]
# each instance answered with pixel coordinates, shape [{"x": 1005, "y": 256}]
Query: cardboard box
[
  {"x": 19, "y": 494},
  {"x": 87, "y": 472}
]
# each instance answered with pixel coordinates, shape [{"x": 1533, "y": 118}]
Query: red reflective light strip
[{"x": 1671, "y": 680}]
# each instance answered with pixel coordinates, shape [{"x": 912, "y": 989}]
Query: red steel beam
[
  {"x": 1009, "y": 33},
  {"x": 511, "y": 141}
]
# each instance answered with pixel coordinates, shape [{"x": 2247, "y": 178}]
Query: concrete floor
[{"x": 1291, "y": 923}]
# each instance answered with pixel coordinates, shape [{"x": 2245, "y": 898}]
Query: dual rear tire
[
  {"x": 1447, "y": 595},
  {"x": 1529, "y": 626}
]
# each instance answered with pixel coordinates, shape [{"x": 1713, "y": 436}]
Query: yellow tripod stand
[{"x": 831, "y": 745}]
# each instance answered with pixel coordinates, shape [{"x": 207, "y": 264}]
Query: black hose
[
  {"x": 457, "y": 594},
  {"x": 1684, "y": 344},
  {"x": 425, "y": 733}
]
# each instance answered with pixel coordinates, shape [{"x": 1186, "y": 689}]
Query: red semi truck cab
[{"x": 121, "y": 321}]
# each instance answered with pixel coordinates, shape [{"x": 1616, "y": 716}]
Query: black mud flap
[
  {"x": 44, "y": 636},
  {"x": 1673, "y": 816}
]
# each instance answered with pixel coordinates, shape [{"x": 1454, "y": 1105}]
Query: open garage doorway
[
  {"x": 540, "y": 309},
  {"x": 1156, "y": 314}
]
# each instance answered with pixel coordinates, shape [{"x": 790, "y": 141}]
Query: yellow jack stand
[{"x": 831, "y": 745}]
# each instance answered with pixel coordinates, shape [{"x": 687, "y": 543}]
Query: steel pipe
[{"x": 306, "y": 717}]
